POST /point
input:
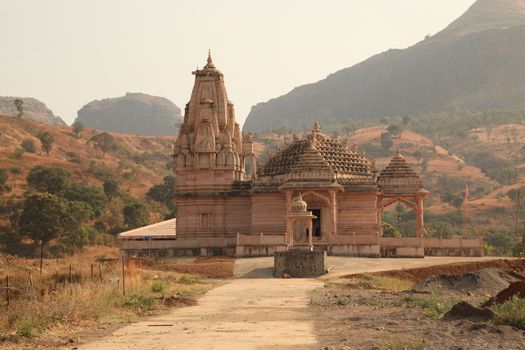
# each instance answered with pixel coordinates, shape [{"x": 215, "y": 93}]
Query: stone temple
[{"x": 228, "y": 204}]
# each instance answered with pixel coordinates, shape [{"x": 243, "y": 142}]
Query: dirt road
[
  {"x": 250, "y": 312},
  {"x": 244, "y": 314}
]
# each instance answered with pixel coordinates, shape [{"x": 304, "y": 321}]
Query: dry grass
[
  {"x": 209, "y": 267},
  {"x": 385, "y": 283},
  {"x": 397, "y": 343},
  {"x": 51, "y": 304}
]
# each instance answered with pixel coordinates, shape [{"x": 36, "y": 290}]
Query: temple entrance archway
[
  {"x": 317, "y": 222},
  {"x": 398, "y": 220},
  {"x": 320, "y": 206}
]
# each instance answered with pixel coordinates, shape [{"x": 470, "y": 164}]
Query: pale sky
[{"x": 67, "y": 53}]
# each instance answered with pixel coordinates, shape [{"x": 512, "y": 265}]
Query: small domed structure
[{"x": 298, "y": 205}]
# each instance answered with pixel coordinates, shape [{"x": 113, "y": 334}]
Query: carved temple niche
[
  {"x": 205, "y": 141},
  {"x": 300, "y": 234}
]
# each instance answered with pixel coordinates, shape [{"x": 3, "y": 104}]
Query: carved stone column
[
  {"x": 419, "y": 216},
  {"x": 379, "y": 213},
  {"x": 333, "y": 207}
]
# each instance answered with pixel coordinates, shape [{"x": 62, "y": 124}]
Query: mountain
[
  {"x": 476, "y": 62},
  {"x": 134, "y": 113},
  {"x": 32, "y": 109}
]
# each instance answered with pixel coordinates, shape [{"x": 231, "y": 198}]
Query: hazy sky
[{"x": 67, "y": 53}]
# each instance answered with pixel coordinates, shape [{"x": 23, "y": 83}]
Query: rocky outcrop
[
  {"x": 474, "y": 63},
  {"x": 31, "y": 109},
  {"x": 134, "y": 113}
]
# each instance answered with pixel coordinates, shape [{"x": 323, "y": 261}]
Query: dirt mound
[
  {"x": 514, "y": 289},
  {"x": 464, "y": 310},
  {"x": 456, "y": 269},
  {"x": 487, "y": 280}
]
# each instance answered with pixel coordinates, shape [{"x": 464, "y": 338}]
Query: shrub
[
  {"x": 140, "y": 302},
  {"x": 27, "y": 329},
  {"x": 29, "y": 145},
  {"x": 18, "y": 152},
  {"x": 188, "y": 279},
  {"x": 403, "y": 344},
  {"x": 511, "y": 313},
  {"x": 158, "y": 286},
  {"x": 342, "y": 300}
]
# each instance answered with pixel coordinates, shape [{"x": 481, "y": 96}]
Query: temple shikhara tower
[{"x": 315, "y": 191}]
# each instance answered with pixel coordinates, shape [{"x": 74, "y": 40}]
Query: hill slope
[
  {"x": 32, "y": 109},
  {"x": 136, "y": 163},
  {"x": 134, "y": 113},
  {"x": 476, "y": 62}
]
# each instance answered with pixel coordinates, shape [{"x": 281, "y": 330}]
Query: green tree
[
  {"x": 29, "y": 145},
  {"x": 47, "y": 140},
  {"x": 16, "y": 171},
  {"x": 389, "y": 230},
  {"x": 395, "y": 130},
  {"x": 48, "y": 179},
  {"x": 440, "y": 229},
  {"x": 104, "y": 142},
  {"x": 164, "y": 193},
  {"x": 91, "y": 196},
  {"x": 78, "y": 127},
  {"x": 513, "y": 194},
  {"x": 111, "y": 188},
  {"x": 507, "y": 176},
  {"x": 136, "y": 215},
  {"x": 19, "y": 104},
  {"x": 44, "y": 217},
  {"x": 454, "y": 199},
  {"x": 76, "y": 234},
  {"x": 386, "y": 141},
  {"x": 3, "y": 180}
]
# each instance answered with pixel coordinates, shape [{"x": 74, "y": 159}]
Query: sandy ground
[{"x": 250, "y": 312}]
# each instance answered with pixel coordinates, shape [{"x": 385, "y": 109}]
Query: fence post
[
  {"x": 123, "y": 276},
  {"x": 70, "y": 275},
  {"x": 91, "y": 269},
  {"x": 100, "y": 272},
  {"x": 30, "y": 280},
  {"x": 7, "y": 290}
]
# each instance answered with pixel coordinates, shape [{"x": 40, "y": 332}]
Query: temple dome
[{"x": 318, "y": 154}]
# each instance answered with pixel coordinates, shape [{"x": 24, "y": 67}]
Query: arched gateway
[{"x": 224, "y": 209}]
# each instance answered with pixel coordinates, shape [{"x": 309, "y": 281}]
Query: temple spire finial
[
  {"x": 210, "y": 61},
  {"x": 317, "y": 126}
]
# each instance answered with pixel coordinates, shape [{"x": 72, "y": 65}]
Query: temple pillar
[
  {"x": 288, "y": 201},
  {"x": 379, "y": 214},
  {"x": 310, "y": 234},
  {"x": 419, "y": 217},
  {"x": 333, "y": 207},
  {"x": 253, "y": 166}
]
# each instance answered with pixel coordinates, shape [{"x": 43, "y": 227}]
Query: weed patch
[{"x": 511, "y": 313}]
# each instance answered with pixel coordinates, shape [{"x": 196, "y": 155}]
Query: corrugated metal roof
[{"x": 160, "y": 230}]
